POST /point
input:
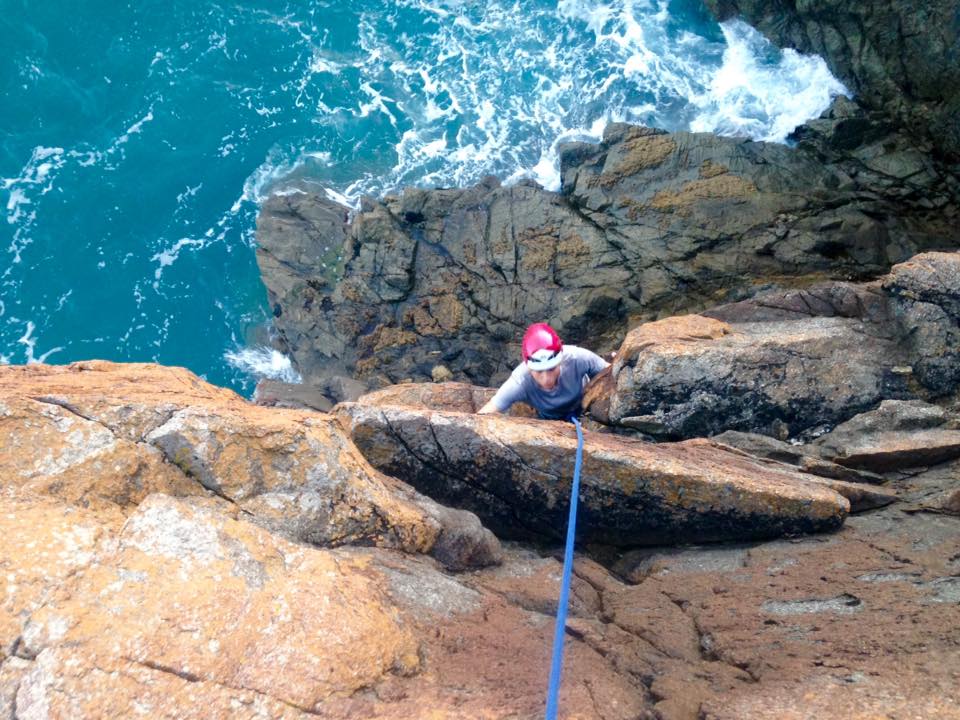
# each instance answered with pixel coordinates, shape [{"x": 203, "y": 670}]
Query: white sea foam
[
  {"x": 188, "y": 193},
  {"x": 764, "y": 101},
  {"x": 168, "y": 256},
  {"x": 426, "y": 93},
  {"x": 263, "y": 362},
  {"x": 30, "y": 343},
  {"x": 342, "y": 199},
  {"x": 498, "y": 96},
  {"x": 37, "y": 177}
]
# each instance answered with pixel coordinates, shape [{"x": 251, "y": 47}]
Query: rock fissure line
[
  {"x": 182, "y": 674},
  {"x": 523, "y": 463},
  {"x": 56, "y": 402},
  {"x": 19, "y": 649},
  {"x": 482, "y": 490},
  {"x": 599, "y": 589},
  {"x": 889, "y": 553},
  {"x": 215, "y": 491},
  {"x": 651, "y": 641},
  {"x": 593, "y": 699},
  {"x": 191, "y": 678},
  {"x": 705, "y": 641}
]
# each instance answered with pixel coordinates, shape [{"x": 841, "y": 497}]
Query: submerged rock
[{"x": 516, "y": 474}]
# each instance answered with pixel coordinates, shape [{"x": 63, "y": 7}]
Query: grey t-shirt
[{"x": 576, "y": 368}]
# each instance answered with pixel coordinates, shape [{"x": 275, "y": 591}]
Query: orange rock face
[
  {"x": 134, "y": 593},
  {"x": 204, "y": 596},
  {"x": 99, "y": 432}
]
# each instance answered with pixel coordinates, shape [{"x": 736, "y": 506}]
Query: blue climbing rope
[{"x": 556, "y": 665}]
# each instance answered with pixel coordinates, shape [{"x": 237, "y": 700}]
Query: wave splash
[
  {"x": 263, "y": 362},
  {"x": 478, "y": 93}
]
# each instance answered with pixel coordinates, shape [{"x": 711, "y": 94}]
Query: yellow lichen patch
[
  {"x": 711, "y": 169},
  {"x": 295, "y": 471},
  {"x": 54, "y": 451},
  {"x": 572, "y": 249},
  {"x": 538, "y": 249},
  {"x": 637, "y": 154},
  {"x": 97, "y": 388},
  {"x": 717, "y": 187},
  {"x": 367, "y": 366},
  {"x": 351, "y": 292},
  {"x": 442, "y": 315},
  {"x": 388, "y": 337},
  {"x": 679, "y": 334}
]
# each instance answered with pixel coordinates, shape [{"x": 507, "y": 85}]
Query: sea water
[{"x": 137, "y": 140}]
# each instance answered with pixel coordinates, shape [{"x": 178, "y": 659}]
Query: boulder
[
  {"x": 235, "y": 585},
  {"x": 894, "y": 436},
  {"x": 452, "y": 396},
  {"x": 860, "y": 496},
  {"x": 191, "y": 603},
  {"x": 789, "y": 363},
  {"x": 692, "y": 376},
  {"x": 112, "y": 434},
  {"x": 62, "y": 542},
  {"x": 515, "y": 474},
  {"x": 932, "y": 277},
  {"x": 804, "y": 456},
  {"x": 82, "y": 461},
  {"x": 69, "y": 683},
  {"x": 926, "y": 302},
  {"x": 273, "y": 393},
  {"x": 866, "y": 302},
  {"x": 182, "y": 607},
  {"x": 12, "y": 671}
]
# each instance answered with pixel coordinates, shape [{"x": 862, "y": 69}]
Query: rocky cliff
[
  {"x": 647, "y": 224},
  {"x": 173, "y": 551}
]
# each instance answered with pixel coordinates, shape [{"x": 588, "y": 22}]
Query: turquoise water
[{"x": 137, "y": 140}]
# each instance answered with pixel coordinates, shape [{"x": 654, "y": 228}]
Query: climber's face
[{"x": 546, "y": 379}]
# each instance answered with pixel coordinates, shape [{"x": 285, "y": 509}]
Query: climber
[{"x": 551, "y": 377}]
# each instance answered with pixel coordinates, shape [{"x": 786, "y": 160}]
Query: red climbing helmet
[{"x": 542, "y": 349}]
